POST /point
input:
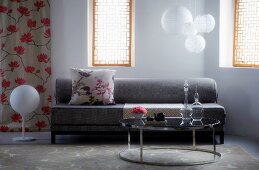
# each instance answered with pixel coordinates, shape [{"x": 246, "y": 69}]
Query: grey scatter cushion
[{"x": 92, "y": 86}]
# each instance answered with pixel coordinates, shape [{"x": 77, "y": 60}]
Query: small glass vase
[
  {"x": 139, "y": 115},
  {"x": 186, "y": 122},
  {"x": 186, "y": 113}
]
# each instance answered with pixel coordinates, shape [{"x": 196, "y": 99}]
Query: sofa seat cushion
[
  {"x": 214, "y": 111},
  {"x": 64, "y": 114},
  {"x": 87, "y": 128}
]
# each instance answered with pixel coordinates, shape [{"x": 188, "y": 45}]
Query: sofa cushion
[
  {"x": 92, "y": 86},
  {"x": 134, "y": 90},
  {"x": 64, "y": 114},
  {"x": 112, "y": 114},
  {"x": 87, "y": 128},
  {"x": 214, "y": 111},
  {"x": 163, "y": 90}
]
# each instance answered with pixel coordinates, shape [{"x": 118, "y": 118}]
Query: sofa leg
[
  {"x": 53, "y": 138},
  {"x": 221, "y": 136}
]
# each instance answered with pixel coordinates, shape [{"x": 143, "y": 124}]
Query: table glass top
[{"x": 170, "y": 123}]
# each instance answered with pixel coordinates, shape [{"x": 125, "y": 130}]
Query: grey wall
[
  {"x": 238, "y": 87},
  {"x": 161, "y": 55},
  {"x": 158, "y": 54}
]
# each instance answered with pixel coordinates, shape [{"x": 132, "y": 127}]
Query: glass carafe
[
  {"x": 186, "y": 111},
  {"x": 197, "y": 108}
]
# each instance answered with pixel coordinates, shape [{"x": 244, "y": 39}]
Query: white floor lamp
[{"x": 24, "y": 99}]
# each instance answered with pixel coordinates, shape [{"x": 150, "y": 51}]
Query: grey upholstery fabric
[
  {"x": 206, "y": 87},
  {"x": 90, "y": 115},
  {"x": 214, "y": 111},
  {"x": 111, "y": 115},
  {"x": 149, "y": 90},
  {"x": 63, "y": 90},
  {"x": 85, "y": 128}
]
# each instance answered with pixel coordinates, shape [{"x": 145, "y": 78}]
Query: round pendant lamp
[
  {"x": 174, "y": 18},
  {"x": 204, "y": 23},
  {"x": 195, "y": 44}
]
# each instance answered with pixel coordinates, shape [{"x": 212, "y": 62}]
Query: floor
[{"x": 251, "y": 146}]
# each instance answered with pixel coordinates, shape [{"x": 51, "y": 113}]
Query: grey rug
[{"x": 104, "y": 157}]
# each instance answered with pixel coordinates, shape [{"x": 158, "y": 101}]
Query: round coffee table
[{"x": 191, "y": 155}]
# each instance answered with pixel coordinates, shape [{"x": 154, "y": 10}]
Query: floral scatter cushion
[{"x": 94, "y": 87}]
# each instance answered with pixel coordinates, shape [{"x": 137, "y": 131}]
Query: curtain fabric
[{"x": 25, "y": 38}]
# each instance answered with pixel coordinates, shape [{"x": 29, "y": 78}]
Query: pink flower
[
  {"x": 41, "y": 124},
  {"x": 2, "y": 45},
  {"x": 16, "y": 117},
  {"x": 45, "y": 21},
  {"x": 48, "y": 70},
  {"x": 3, "y": 98},
  {"x": 3, "y": 9},
  {"x": 6, "y": 83},
  {"x": 1, "y": 73},
  {"x": 29, "y": 69},
  {"x": 47, "y": 33},
  {"x": 40, "y": 89},
  {"x": 4, "y": 128},
  {"x": 13, "y": 65},
  {"x": 31, "y": 23},
  {"x": 20, "y": 81},
  {"x": 49, "y": 99},
  {"x": 24, "y": 11},
  {"x": 1, "y": 30},
  {"x": 26, "y": 37},
  {"x": 139, "y": 110},
  {"x": 39, "y": 4},
  {"x": 19, "y": 50},
  {"x": 43, "y": 58},
  {"x": 45, "y": 110},
  {"x": 12, "y": 28}
]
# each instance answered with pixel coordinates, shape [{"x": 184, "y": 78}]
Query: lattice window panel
[
  {"x": 112, "y": 31},
  {"x": 246, "y": 33}
]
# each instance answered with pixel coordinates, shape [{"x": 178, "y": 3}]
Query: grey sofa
[{"x": 72, "y": 119}]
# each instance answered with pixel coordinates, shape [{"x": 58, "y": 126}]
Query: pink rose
[{"x": 139, "y": 110}]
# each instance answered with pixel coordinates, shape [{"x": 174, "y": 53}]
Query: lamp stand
[{"x": 23, "y": 138}]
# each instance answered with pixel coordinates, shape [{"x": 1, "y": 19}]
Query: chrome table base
[{"x": 131, "y": 154}]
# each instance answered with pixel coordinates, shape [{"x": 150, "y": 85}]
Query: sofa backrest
[{"x": 136, "y": 90}]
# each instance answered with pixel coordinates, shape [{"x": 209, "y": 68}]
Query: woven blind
[
  {"x": 246, "y": 33},
  {"x": 112, "y": 31}
]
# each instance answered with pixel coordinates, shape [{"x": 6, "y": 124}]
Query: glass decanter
[
  {"x": 197, "y": 108},
  {"x": 186, "y": 111}
]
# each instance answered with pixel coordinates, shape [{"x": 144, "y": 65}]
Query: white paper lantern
[
  {"x": 24, "y": 99},
  {"x": 174, "y": 18},
  {"x": 189, "y": 29},
  {"x": 195, "y": 44},
  {"x": 204, "y": 23}
]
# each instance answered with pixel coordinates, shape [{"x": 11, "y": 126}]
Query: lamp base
[{"x": 23, "y": 139}]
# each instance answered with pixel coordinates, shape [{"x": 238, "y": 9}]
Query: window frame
[
  {"x": 235, "y": 37},
  {"x": 91, "y": 36}
]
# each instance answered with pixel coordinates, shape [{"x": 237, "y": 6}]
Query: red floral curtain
[{"x": 25, "y": 38}]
